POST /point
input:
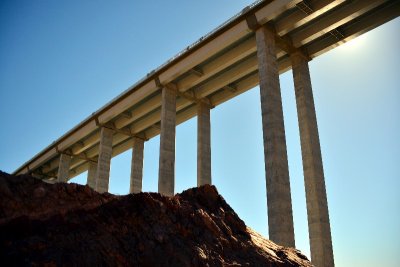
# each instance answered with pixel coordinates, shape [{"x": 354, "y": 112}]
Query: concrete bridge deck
[{"x": 218, "y": 67}]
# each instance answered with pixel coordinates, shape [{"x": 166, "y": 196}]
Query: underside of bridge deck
[{"x": 219, "y": 67}]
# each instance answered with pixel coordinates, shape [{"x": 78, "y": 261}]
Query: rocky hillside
[{"x": 72, "y": 225}]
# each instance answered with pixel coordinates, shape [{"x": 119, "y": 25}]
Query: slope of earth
[{"x": 72, "y": 225}]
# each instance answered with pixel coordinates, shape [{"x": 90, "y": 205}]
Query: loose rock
[{"x": 68, "y": 225}]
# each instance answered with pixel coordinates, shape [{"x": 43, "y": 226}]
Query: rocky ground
[{"x": 72, "y": 225}]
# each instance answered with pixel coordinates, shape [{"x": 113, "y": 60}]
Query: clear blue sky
[{"x": 61, "y": 61}]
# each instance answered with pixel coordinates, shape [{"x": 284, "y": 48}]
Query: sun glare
[{"x": 354, "y": 44}]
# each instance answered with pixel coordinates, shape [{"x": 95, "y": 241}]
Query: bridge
[{"x": 252, "y": 48}]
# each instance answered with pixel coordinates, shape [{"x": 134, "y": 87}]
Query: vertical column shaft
[
  {"x": 166, "y": 175},
  {"x": 280, "y": 217},
  {"x": 63, "y": 168},
  {"x": 317, "y": 205},
  {"x": 203, "y": 145},
  {"x": 91, "y": 175},
  {"x": 104, "y": 160},
  {"x": 137, "y": 166}
]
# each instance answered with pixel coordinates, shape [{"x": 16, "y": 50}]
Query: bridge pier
[
  {"x": 137, "y": 166},
  {"x": 317, "y": 205},
  {"x": 203, "y": 144},
  {"x": 280, "y": 217},
  {"x": 166, "y": 174},
  {"x": 63, "y": 168},
  {"x": 104, "y": 160},
  {"x": 91, "y": 175}
]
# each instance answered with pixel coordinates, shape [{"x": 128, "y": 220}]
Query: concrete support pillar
[
  {"x": 137, "y": 166},
  {"x": 203, "y": 144},
  {"x": 104, "y": 160},
  {"x": 280, "y": 217},
  {"x": 317, "y": 205},
  {"x": 91, "y": 175},
  {"x": 166, "y": 175},
  {"x": 63, "y": 168}
]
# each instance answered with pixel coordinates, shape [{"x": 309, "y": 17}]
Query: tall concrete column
[
  {"x": 63, "y": 168},
  {"x": 91, "y": 175},
  {"x": 137, "y": 166},
  {"x": 317, "y": 205},
  {"x": 203, "y": 145},
  {"x": 166, "y": 175},
  {"x": 280, "y": 217},
  {"x": 104, "y": 160}
]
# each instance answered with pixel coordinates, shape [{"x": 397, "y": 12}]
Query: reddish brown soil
[{"x": 71, "y": 225}]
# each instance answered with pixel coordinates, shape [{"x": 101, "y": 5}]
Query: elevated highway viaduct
[{"x": 252, "y": 48}]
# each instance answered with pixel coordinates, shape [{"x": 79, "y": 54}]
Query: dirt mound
[{"x": 72, "y": 225}]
